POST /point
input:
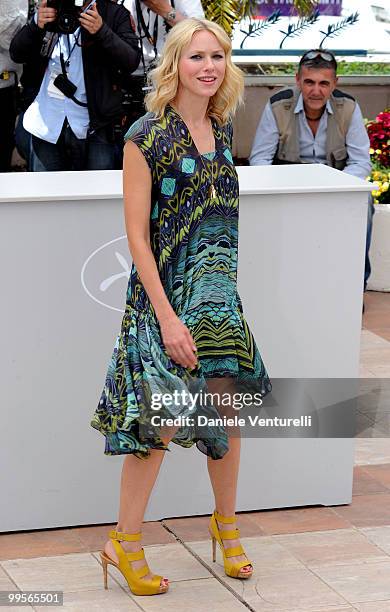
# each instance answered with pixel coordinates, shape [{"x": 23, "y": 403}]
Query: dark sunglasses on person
[{"x": 314, "y": 53}]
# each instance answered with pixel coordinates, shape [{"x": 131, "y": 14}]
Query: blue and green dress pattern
[{"x": 194, "y": 239}]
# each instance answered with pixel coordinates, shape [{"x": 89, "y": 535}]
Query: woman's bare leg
[
  {"x": 224, "y": 472},
  {"x": 137, "y": 481}
]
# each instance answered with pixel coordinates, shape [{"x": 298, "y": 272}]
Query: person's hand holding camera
[
  {"x": 91, "y": 20},
  {"x": 45, "y": 14}
]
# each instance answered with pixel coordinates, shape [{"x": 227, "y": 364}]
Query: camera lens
[{"x": 67, "y": 23}]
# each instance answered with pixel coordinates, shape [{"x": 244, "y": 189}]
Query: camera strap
[
  {"x": 70, "y": 50},
  {"x": 143, "y": 27},
  {"x": 63, "y": 66},
  {"x": 152, "y": 40}
]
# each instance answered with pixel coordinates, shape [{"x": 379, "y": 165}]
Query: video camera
[{"x": 68, "y": 12}]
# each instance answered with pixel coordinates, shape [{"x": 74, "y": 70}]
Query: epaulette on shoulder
[
  {"x": 284, "y": 94},
  {"x": 341, "y": 94}
]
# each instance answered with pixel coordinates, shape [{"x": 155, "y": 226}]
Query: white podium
[
  {"x": 65, "y": 264},
  {"x": 380, "y": 250}
]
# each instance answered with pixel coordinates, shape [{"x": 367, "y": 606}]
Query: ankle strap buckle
[
  {"x": 127, "y": 537},
  {"x": 224, "y": 519}
]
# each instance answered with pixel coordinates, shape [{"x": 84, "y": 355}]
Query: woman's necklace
[
  {"x": 212, "y": 190},
  {"x": 212, "y": 193}
]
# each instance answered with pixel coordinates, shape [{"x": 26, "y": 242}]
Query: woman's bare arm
[{"x": 137, "y": 187}]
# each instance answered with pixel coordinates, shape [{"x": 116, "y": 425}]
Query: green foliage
[
  {"x": 344, "y": 68},
  {"x": 304, "y": 7},
  {"x": 225, "y": 12}
]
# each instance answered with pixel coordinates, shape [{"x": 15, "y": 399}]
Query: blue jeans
[
  {"x": 370, "y": 215},
  {"x": 101, "y": 153},
  {"x": 72, "y": 153}
]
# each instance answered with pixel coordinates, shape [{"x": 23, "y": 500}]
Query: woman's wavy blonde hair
[{"x": 165, "y": 77}]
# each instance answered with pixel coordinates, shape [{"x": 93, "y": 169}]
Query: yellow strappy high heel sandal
[
  {"x": 234, "y": 570},
  {"x": 137, "y": 584}
]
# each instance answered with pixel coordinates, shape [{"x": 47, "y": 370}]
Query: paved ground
[{"x": 317, "y": 559}]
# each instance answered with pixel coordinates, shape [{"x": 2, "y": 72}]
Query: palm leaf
[
  {"x": 225, "y": 12},
  {"x": 335, "y": 29},
  {"x": 256, "y": 28},
  {"x": 295, "y": 29},
  {"x": 305, "y": 7}
]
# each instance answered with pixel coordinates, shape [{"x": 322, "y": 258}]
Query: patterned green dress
[{"x": 194, "y": 239}]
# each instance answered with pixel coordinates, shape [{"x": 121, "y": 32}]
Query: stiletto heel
[
  {"x": 234, "y": 570},
  {"x": 214, "y": 546},
  {"x": 134, "y": 578},
  {"x": 104, "y": 565}
]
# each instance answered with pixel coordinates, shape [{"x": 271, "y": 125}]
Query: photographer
[
  {"x": 154, "y": 19},
  {"x": 72, "y": 118},
  {"x": 13, "y": 15}
]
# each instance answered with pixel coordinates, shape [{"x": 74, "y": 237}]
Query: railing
[{"x": 296, "y": 52}]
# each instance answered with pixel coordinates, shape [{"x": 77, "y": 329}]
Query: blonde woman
[{"x": 183, "y": 328}]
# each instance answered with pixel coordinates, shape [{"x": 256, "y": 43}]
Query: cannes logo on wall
[{"x": 105, "y": 274}]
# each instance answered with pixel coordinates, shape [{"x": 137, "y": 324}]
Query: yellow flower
[
  {"x": 372, "y": 151},
  {"x": 378, "y": 151}
]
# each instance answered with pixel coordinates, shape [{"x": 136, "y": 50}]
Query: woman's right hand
[
  {"x": 45, "y": 14},
  {"x": 178, "y": 342}
]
